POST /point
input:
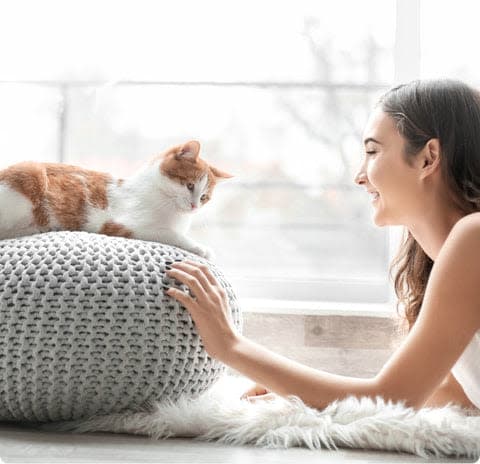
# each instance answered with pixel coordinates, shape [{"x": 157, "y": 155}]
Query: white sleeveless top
[{"x": 467, "y": 370}]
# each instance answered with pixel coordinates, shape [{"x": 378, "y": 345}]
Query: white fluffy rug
[{"x": 220, "y": 414}]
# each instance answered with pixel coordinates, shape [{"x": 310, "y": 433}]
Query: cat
[{"x": 154, "y": 204}]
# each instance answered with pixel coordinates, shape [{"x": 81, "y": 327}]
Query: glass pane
[
  {"x": 189, "y": 40},
  {"x": 323, "y": 244},
  {"x": 29, "y": 119},
  {"x": 292, "y": 208}
]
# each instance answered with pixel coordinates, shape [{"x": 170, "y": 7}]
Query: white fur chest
[{"x": 145, "y": 204}]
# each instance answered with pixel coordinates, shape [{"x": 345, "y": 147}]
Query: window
[{"x": 279, "y": 100}]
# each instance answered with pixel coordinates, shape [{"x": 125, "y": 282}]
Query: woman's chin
[
  {"x": 382, "y": 221},
  {"x": 379, "y": 220}
]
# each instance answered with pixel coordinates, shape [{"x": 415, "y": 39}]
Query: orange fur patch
[
  {"x": 181, "y": 170},
  {"x": 30, "y": 180},
  {"x": 65, "y": 189},
  {"x": 71, "y": 189},
  {"x": 117, "y": 230}
]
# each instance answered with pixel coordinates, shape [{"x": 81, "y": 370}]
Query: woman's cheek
[{"x": 372, "y": 172}]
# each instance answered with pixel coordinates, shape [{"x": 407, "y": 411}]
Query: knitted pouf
[{"x": 86, "y": 329}]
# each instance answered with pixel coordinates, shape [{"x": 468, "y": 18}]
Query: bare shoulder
[
  {"x": 471, "y": 219},
  {"x": 465, "y": 235},
  {"x": 455, "y": 277}
]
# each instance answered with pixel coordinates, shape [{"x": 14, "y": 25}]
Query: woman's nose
[{"x": 360, "y": 177}]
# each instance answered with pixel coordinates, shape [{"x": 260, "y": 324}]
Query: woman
[{"x": 422, "y": 168}]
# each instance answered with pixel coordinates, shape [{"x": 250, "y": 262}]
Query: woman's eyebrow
[{"x": 371, "y": 139}]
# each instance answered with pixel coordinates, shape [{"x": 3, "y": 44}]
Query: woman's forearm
[
  {"x": 211, "y": 315},
  {"x": 287, "y": 377}
]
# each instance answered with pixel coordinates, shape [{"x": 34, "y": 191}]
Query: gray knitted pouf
[{"x": 86, "y": 329}]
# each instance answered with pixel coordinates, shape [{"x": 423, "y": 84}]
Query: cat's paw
[
  {"x": 203, "y": 251},
  {"x": 209, "y": 254}
]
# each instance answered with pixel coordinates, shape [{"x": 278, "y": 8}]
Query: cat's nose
[{"x": 193, "y": 205}]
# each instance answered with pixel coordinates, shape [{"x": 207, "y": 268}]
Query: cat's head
[{"x": 191, "y": 179}]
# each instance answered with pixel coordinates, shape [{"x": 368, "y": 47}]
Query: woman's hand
[{"x": 208, "y": 306}]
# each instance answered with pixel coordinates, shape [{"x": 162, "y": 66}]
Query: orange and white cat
[{"x": 155, "y": 203}]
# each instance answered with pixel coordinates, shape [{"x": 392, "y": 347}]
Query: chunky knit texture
[{"x": 86, "y": 329}]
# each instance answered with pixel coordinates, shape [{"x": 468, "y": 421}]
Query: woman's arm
[
  {"x": 449, "y": 391},
  {"x": 449, "y": 318},
  {"x": 287, "y": 377}
]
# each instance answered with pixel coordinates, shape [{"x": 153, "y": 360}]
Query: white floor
[{"x": 19, "y": 445}]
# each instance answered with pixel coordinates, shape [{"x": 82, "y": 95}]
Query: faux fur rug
[{"x": 220, "y": 415}]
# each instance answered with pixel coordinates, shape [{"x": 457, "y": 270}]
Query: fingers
[
  {"x": 194, "y": 270},
  {"x": 266, "y": 397},
  {"x": 256, "y": 390},
  {"x": 204, "y": 269},
  {"x": 189, "y": 280},
  {"x": 200, "y": 273},
  {"x": 183, "y": 298},
  {"x": 205, "y": 289}
]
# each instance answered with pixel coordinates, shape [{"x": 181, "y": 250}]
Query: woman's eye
[
  {"x": 370, "y": 152},
  {"x": 190, "y": 186}
]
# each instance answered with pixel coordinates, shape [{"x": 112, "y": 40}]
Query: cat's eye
[
  {"x": 190, "y": 186},
  {"x": 204, "y": 197}
]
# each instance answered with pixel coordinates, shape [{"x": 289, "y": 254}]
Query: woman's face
[{"x": 392, "y": 183}]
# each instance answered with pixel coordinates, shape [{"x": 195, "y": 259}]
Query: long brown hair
[{"x": 449, "y": 111}]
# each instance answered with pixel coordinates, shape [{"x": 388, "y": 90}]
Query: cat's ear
[
  {"x": 220, "y": 175},
  {"x": 189, "y": 151}
]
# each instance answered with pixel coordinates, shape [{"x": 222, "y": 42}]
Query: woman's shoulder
[
  {"x": 469, "y": 223},
  {"x": 464, "y": 238},
  {"x": 471, "y": 218}
]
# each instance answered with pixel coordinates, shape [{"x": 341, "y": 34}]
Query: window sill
[{"x": 318, "y": 308}]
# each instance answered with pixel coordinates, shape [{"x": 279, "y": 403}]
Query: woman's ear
[{"x": 430, "y": 157}]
